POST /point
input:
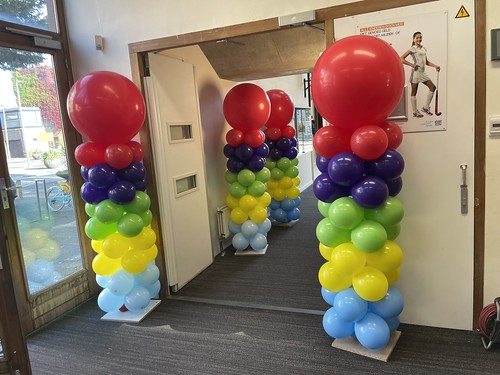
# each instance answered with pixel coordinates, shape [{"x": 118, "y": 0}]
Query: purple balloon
[
  {"x": 275, "y": 154},
  {"x": 256, "y": 163},
  {"x": 370, "y": 192},
  {"x": 134, "y": 172},
  {"x": 293, "y": 142},
  {"x": 388, "y": 166},
  {"x": 283, "y": 143},
  {"x": 243, "y": 152},
  {"x": 291, "y": 153},
  {"x": 394, "y": 186},
  {"x": 84, "y": 172},
  {"x": 234, "y": 165},
  {"x": 262, "y": 150},
  {"x": 122, "y": 192},
  {"x": 92, "y": 194},
  {"x": 141, "y": 185},
  {"x": 270, "y": 143},
  {"x": 327, "y": 191},
  {"x": 346, "y": 168},
  {"x": 322, "y": 163},
  {"x": 102, "y": 175},
  {"x": 228, "y": 151}
]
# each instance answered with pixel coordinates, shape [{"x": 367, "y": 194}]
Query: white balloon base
[
  {"x": 350, "y": 344},
  {"x": 131, "y": 316},
  {"x": 250, "y": 251},
  {"x": 287, "y": 224}
]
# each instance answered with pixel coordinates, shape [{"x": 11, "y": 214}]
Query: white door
[
  {"x": 437, "y": 239},
  {"x": 180, "y": 168}
]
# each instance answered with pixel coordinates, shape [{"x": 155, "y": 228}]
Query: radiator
[{"x": 223, "y": 222}]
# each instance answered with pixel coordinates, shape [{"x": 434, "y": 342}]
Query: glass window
[
  {"x": 303, "y": 129},
  {"x": 39, "y": 14}
]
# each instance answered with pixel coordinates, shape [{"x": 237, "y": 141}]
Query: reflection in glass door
[{"x": 39, "y": 182}]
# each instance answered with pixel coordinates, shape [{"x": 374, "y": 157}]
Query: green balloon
[
  {"x": 389, "y": 213},
  {"x": 345, "y": 213},
  {"x": 130, "y": 225},
  {"x": 246, "y": 177},
  {"x": 330, "y": 235},
  {"x": 369, "y": 236},
  {"x": 277, "y": 174},
  {"x": 147, "y": 217},
  {"x": 96, "y": 230},
  {"x": 284, "y": 163},
  {"x": 295, "y": 162},
  {"x": 90, "y": 209},
  {"x": 108, "y": 211},
  {"x": 270, "y": 164},
  {"x": 323, "y": 208},
  {"x": 257, "y": 189},
  {"x": 139, "y": 204},
  {"x": 237, "y": 190},
  {"x": 292, "y": 172},
  {"x": 230, "y": 177},
  {"x": 263, "y": 175},
  {"x": 392, "y": 231}
]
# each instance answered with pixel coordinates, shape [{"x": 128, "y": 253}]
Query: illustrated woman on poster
[{"x": 418, "y": 75}]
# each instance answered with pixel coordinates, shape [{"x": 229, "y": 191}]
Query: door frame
[{"x": 138, "y": 50}]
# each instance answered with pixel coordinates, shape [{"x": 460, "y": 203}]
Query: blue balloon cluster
[
  {"x": 249, "y": 234},
  {"x": 119, "y": 185},
  {"x": 369, "y": 182},
  {"x": 282, "y": 147},
  {"x": 371, "y": 323},
  {"x": 132, "y": 291},
  {"x": 286, "y": 210},
  {"x": 244, "y": 156}
]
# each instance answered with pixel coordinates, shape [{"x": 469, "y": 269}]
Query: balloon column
[
  {"x": 108, "y": 110},
  {"x": 356, "y": 84},
  {"x": 282, "y": 159},
  {"x": 246, "y": 109}
]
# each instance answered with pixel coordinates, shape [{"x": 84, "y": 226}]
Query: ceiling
[{"x": 290, "y": 50}]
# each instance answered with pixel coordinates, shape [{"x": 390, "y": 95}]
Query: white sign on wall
[{"x": 399, "y": 33}]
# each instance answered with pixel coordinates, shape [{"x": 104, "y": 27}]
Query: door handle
[{"x": 464, "y": 191}]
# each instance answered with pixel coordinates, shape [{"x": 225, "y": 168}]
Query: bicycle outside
[{"x": 59, "y": 196}]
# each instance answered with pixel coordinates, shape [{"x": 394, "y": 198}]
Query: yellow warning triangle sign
[{"x": 462, "y": 13}]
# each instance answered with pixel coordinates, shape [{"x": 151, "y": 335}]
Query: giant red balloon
[
  {"x": 106, "y": 107},
  {"x": 282, "y": 109},
  {"x": 331, "y": 140},
  {"x": 357, "y": 81},
  {"x": 246, "y": 107}
]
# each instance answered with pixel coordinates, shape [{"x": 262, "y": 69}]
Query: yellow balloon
[
  {"x": 388, "y": 258},
  {"x": 296, "y": 181},
  {"x": 347, "y": 259},
  {"x": 272, "y": 184},
  {"x": 35, "y": 238},
  {"x": 293, "y": 192},
  {"x": 393, "y": 275},
  {"x": 29, "y": 257},
  {"x": 325, "y": 251},
  {"x": 264, "y": 200},
  {"x": 104, "y": 266},
  {"x": 279, "y": 194},
  {"x": 143, "y": 240},
  {"x": 286, "y": 183},
  {"x": 50, "y": 251},
  {"x": 248, "y": 203},
  {"x": 134, "y": 261},
  {"x": 232, "y": 202},
  {"x": 115, "y": 245},
  {"x": 258, "y": 214},
  {"x": 238, "y": 216},
  {"x": 96, "y": 246},
  {"x": 370, "y": 284},
  {"x": 151, "y": 253},
  {"x": 331, "y": 279}
]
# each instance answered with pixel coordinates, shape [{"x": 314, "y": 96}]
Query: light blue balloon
[
  {"x": 149, "y": 276},
  {"x": 233, "y": 227},
  {"x": 294, "y": 214},
  {"x": 108, "y": 302},
  {"x": 349, "y": 306},
  {"x": 120, "y": 283},
  {"x": 102, "y": 281},
  {"x": 265, "y": 226},
  {"x": 258, "y": 242},
  {"x": 372, "y": 331},
  {"x": 249, "y": 229},
  {"x": 154, "y": 289},
  {"x": 390, "y": 306},
  {"x": 297, "y": 201},
  {"x": 335, "y": 326},
  {"x": 328, "y": 295},
  {"x": 279, "y": 215},
  {"x": 240, "y": 242},
  {"x": 274, "y": 204},
  {"x": 287, "y": 204},
  {"x": 393, "y": 323},
  {"x": 40, "y": 271},
  {"x": 137, "y": 299}
]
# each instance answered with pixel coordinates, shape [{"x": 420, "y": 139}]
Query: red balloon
[
  {"x": 394, "y": 134},
  {"x": 357, "y": 81},
  {"x": 137, "y": 150},
  {"x": 234, "y": 137},
  {"x": 106, "y": 107},
  {"x": 89, "y": 154},
  {"x": 119, "y": 156},
  {"x": 254, "y": 138},
  {"x": 288, "y": 131},
  {"x": 282, "y": 109},
  {"x": 273, "y": 133},
  {"x": 331, "y": 140},
  {"x": 246, "y": 107},
  {"x": 369, "y": 142}
]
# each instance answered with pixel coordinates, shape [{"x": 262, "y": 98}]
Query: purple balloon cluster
[
  {"x": 369, "y": 182},
  {"x": 282, "y": 147},
  {"x": 244, "y": 156},
  {"x": 119, "y": 185}
]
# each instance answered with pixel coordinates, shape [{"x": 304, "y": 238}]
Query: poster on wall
[{"x": 422, "y": 42}]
